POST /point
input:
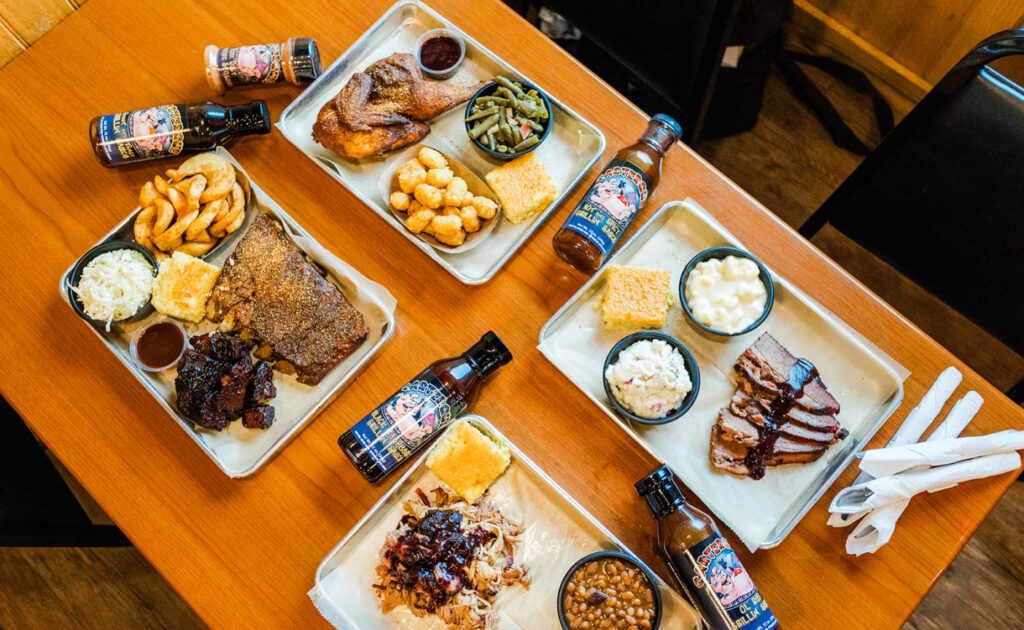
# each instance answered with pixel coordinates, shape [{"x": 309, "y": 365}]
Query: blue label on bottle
[
  {"x": 249, "y": 64},
  {"x": 609, "y": 206},
  {"x": 395, "y": 430},
  {"x": 722, "y": 587},
  {"x": 143, "y": 134}
]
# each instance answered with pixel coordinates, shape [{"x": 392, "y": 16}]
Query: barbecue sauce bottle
[
  {"x": 702, "y": 561},
  {"x": 412, "y": 416},
  {"x": 170, "y": 130},
  {"x": 620, "y": 191}
]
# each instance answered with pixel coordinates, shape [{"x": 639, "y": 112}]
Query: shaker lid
[
  {"x": 305, "y": 59},
  {"x": 660, "y": 491},
  {"x": 669, "y": 122}
]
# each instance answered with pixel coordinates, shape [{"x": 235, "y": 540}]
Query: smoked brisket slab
[
  {"x": 781, "y": 413},
  {"x": 269, "y": 289}
]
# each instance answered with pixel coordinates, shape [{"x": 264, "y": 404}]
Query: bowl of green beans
[{"x": 508, "y": 118}]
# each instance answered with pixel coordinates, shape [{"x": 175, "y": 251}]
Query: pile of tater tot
[{"x": 436, "y": 201}]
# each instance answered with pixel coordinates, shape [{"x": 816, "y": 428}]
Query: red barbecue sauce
[
  {"x": 440, "y": 53},
  {"x": 160, "y": 344},
  {"x": 802, "y": 373}
]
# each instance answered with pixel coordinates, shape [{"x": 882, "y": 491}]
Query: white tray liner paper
[
  {"x": 558, "y": 533},
  {"x": 570, "y": 146},
  {"x": 857, "y": 373},
  {"x": 236, "y": 448}
]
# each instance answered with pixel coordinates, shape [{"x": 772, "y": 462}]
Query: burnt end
[
  {"x": 227, "y": 347},
  {"x": 216, "y": 383},
  {"x": 202, "y": 344},
  {"x": 211, "y": 417},
  {"x": 230, "y": 398},
  {"x": 261, "y": 384},
  {"x": 258, "y": 417}
]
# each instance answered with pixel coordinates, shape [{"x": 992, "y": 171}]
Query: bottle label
[
  {"x": 395, "y": 430},
  {"x": 610, "y": 205},
  {"x": 143, "y": 134},
  {"x": 723, "y": 588},
  {"x": 249, "y": 64}
]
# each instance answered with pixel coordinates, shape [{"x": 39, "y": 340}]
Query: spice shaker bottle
[{"x": 296, "y": 61}]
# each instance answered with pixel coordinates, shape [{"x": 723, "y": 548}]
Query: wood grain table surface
[{"x": 243, "y": 552}]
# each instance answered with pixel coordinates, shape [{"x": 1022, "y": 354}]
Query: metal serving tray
[
  {"x": 558, "y": 531},
  {"x": 570, "y": 150},
  {"x": 237, "y": 451},
  {"x": 866, "y": 381}
]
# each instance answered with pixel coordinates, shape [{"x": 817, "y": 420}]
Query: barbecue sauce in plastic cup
[
  {"x": 415, "y": 414},
  {"x": 619, "y": 192},
  {"x": 702, "y": 561}
]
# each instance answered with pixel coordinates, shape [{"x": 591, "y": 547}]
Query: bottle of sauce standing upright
[
  {"x": 702, "y": 561},
  {"x": 620, "y": 191},
  {"x": 170, "y": 130},
  {"x": 412, "y": 416}
]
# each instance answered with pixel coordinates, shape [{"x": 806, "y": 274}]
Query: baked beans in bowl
[{"x": 609, "y": 589}]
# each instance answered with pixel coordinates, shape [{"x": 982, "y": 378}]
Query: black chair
[
  {"x": 942, "y": 197},
  {"x": 673, "y": 49},
  {"x": 36, "y": 507}
]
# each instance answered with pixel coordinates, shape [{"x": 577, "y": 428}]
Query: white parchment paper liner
[
  {"x": 558, "y": 533},
  {"x": 864, "y": 379},
  {"x": 238, "y": 451}
]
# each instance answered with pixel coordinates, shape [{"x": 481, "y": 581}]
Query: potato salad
[{"x": 649, "y": 378}]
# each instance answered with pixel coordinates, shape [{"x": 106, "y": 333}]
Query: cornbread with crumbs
[
  {"x": 183, "y": 286},
  {"x": 636, "y": 297},
  {"x": 468, "y": 461},
  {"x": 523, "y": 187}
]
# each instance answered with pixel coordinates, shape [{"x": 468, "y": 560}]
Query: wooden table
[{"x": 243, "y": 553}]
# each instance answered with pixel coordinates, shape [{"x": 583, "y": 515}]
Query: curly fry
[
  {"x": 195, "y": 249},
  {"x": 178, "y": 201},
  {"x": 167, "y": 240},
  {"x": 160, "y": 184},
  {"x": 219, "y": 174},
  {"x": 205, "y": 218},
  {"x": 193, "y": 188},
  {"x": 220, "y": 228},
  {"x": 147, "y": 195},
  {"x": 164, "y": 215},
  {"x": 144, "y": 224}
]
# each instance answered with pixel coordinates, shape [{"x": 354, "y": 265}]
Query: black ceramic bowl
[
  {"x": 76, "y": 275},
  {"x": 489, "y": 89},
  {"x": 691, "y": 367},
  {"x": 722, "y": 252},
  {"x": 617, "y": 555}
]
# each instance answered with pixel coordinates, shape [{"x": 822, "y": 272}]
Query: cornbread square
[
  {"x": 636, "y": 297},
  {"x": 182, "y": 287},
  {"x": 468, "y": 461},
  {"x": 523, "y": 187}
]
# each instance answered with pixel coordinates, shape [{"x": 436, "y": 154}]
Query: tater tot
[
  {"x": 428, "y": 195},
  {"x": 455, "y": 191},
  {"x": 431, "y": 158},
  {"x": 450, "y": 211},
  {"x": 400, "y": 200},
  {"x": 418, "y": 221},
  {"x": 445, "y": 224},
  {"x": 485, "y": 207},
  {"x": 454, "y": 239},
  {"x": 470, "y": 220},
  {"x": 410, "y": 175},
  {"x": 439, "y": 177},
  {"x": 467, "y": 199}
]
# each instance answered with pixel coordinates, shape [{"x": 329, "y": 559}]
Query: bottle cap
[
  {"x": 489, "y": 353},
  {"x": 660, "y": 491},
  {"x": 250, "y": 118},
  {"x": 305, "y": 59},
  {"x": 669, "y": 122}
]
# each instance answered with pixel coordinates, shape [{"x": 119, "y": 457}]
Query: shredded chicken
[{"x": 450, "y": 558}]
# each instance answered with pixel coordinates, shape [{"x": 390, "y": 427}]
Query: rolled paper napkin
[
  {"x": 956, "y": 421},
  {"x": 896, "y": 488},
  {"x": 889, "y": 461},
  {"x": 913, "y": 427}
]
